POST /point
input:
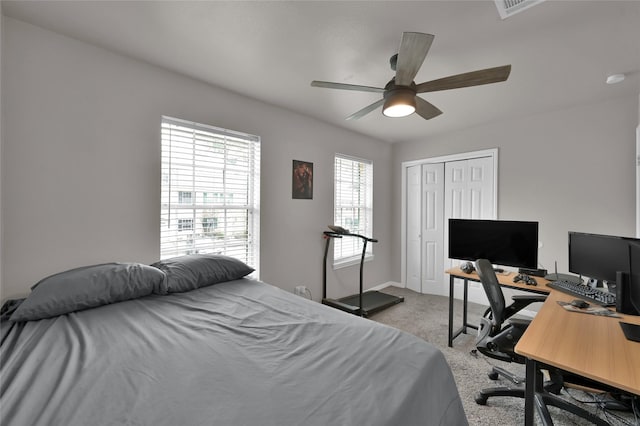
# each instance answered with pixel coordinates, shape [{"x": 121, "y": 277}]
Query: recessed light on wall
[{"x": 615, "y": 78}]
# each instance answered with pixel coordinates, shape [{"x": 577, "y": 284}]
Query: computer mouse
[{"x": 581, "y": 304}]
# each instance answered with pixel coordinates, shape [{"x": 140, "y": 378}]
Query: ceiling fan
[{"x": 399, "y": 95}]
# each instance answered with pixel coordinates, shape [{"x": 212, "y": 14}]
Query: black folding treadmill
[{"x": 363, "y": 303}]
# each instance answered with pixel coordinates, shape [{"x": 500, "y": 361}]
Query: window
[
  {"x": 353, "y": 207},
  {"x": 210, "y": 191},
  {"x": 185, "y": 224},
  {"x": 209, "y": 225},
  {"x": 185, "y": 197}
]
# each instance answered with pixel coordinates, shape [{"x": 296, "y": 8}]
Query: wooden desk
[
  {"x": 505, "y": 280},
  {"x": 588, "y": 345}
]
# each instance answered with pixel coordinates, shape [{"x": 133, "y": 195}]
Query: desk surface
[
  {"x": 588, "y": 345},
  {"x": 505, "y": 279}
]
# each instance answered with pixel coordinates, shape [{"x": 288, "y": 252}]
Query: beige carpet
[{"x": 426, "y": 316}]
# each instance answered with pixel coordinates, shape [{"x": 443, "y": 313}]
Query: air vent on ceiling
[{"x": 507, "y": 8}]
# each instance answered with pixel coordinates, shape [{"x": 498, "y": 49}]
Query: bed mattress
[{"x": 237, "y": 353}]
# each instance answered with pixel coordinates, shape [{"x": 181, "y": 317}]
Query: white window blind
[
  {"x": 210, "y": 191},
  {"x": 353, "y": 207}
]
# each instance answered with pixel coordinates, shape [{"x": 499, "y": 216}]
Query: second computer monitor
[
  {"x": 599, "y": 257},
  {"x": 630, "y": 291}
]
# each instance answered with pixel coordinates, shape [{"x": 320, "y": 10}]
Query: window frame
[
  {"x": 205, "y": 160},
  {"x": 366, "y": 195}
]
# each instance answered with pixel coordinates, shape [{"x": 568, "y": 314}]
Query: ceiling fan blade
[
  {"x": 366, "y": 110},
  {"x": 425, "y": 109},
  {"x": 413, "y": 50},
  {"x": 467, "y": 79},
  {"x": 342, "y": 86}
]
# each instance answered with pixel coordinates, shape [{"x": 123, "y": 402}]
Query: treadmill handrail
[{"x": 339, "y": 235}]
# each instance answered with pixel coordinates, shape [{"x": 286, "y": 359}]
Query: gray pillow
[
  {"x": 89, "y": 287},
  {"x": 185, "y": 273}
]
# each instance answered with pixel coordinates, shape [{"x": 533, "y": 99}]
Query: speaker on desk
[
  {"x": 623, "y": 295},
  {"x": 467, "y": 267}
]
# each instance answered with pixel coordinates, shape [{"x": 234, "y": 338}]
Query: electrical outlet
[{"x": 302, "y": 291}]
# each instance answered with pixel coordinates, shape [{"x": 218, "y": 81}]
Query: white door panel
[
  {"x": 414, "y": 214},
  {"x": 480, "y": 187},
  {"x": 475, "y": 204},
  {"x": 457, "y": 169},
  {"x": 456, "y": 182},
  {"x": 431, "y": 262},
  {"x": 432, "y": 227},
  {"x": 456, "y": 203}
]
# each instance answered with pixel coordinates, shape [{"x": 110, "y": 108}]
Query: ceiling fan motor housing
[
  {"x": 393, "y": 61},
  {"x": 400, "y": 92},
  {"x": 404, "y": 94}
]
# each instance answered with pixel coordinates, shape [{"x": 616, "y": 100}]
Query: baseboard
[
  {"x": 387, "y": 284},
  {"x": 527, "y": 313}
]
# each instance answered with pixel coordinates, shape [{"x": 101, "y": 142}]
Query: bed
[{"x": 236, "y": 351}]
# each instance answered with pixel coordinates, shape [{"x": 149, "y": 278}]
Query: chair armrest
[
  {"x": 521, "y": 323},
  {"x": 522, "y": 301},
  {"x": 531, "y": 298}
]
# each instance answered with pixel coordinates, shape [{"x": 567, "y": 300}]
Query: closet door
[
  {"x": 414, "y": 224},
  {"x": 433, "y": 224},
  {"x": 425, "y": 227},
  {"x": 469, "y": 194},
  {"x": 434, "y": 193}
]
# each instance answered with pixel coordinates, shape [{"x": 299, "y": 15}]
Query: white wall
[
  {"x": 570, "y": 169},
  {"x": 81, "y": 165}
]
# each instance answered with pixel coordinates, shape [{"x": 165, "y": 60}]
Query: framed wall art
[{"x": 302, "y": 180}]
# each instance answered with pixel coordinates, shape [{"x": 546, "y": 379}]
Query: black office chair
[{"x": 497, "y": 339}]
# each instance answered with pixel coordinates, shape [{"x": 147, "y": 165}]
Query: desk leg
[
  {"x": 450, "y": 311},
  {"x": 465, "y": 299},
  {"x": 464, "y": 305},
  {"x": 530, "y": 390}
]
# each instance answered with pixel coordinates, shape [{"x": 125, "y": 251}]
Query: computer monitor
[
  {"x": 502, "y": 242},
  {"x": 599, "y": 257},
  {"x": 631, "y": 293}
]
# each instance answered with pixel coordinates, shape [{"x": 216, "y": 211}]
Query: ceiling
[{"x": 561, "y": 52}]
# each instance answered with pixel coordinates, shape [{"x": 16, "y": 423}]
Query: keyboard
[{"x": 599, "y": 297}]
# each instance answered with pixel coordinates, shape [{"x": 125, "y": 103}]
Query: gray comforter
[{"x": 237, "y": 353}]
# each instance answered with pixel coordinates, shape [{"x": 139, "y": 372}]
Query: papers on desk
[{"x": 591, "y": 310}]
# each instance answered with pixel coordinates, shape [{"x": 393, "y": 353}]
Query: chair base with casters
[
  {"x": 543, "y": 399},
  {"x": 498, "y": 334},
  {"x": 501, "y": 345},
  {"x": 499, "y": 371},
  {"x": 552, "y": 386},
  {"x": 484, "y": 394},
  {"x": 546, "y": 396}
]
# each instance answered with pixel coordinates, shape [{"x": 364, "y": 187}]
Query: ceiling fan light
[
  {"x": 399, "y": 104},
  {"x": 398, "y": 110}
]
